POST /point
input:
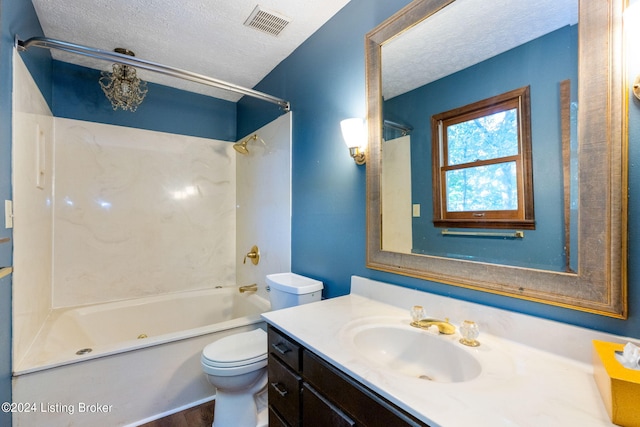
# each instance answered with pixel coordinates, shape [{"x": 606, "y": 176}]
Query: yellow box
[{"x": 619, "y": 386}]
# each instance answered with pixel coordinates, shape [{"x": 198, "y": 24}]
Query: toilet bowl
[{"x": 237, "y": 364}]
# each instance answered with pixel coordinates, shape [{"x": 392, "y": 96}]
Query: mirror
[
  {"x": 596, "y": 280},
  {"x": 502, "y": 47}
]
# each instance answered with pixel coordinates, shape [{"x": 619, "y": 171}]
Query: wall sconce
[
  {"x": 123, "y": 87},
  {"x": 354, "y": 133}
]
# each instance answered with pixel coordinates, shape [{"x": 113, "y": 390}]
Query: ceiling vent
[{"x": 266, "y": 21}]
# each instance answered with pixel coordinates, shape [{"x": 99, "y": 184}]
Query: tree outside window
[{"x": 481, "y": 154}]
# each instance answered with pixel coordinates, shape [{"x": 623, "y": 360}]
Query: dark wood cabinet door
[{"x": 317, "y": 411}]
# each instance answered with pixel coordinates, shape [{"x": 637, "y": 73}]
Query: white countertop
[{"x": 520, "y": 385}]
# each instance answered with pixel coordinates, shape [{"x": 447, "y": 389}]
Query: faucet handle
[
  {"x": 417, "y": 313},
  {"x": 253, "y": 254},
  {"x": 469, "y": 331}
]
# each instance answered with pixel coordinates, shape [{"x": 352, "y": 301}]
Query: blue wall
[
  {"x": 555, "y": 58},
  {"x": 324, "y": 80},
  {"x": 77, "y": 95},
  {"x": 5, "y": 346}
]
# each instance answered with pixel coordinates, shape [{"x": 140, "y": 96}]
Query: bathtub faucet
[{"x": 248, "y": 288}]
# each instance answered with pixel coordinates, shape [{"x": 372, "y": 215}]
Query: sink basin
[{"x": 415, "y": 353}]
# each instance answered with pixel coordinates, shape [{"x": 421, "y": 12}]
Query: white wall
[{"x": 263, "y": 216}]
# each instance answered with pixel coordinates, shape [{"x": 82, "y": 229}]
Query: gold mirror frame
[{"x": 600, "y": 284}]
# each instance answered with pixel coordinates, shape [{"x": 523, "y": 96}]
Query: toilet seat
[
  {"x": 236, "y": 354},
  {"x": 217, "y": 364}
]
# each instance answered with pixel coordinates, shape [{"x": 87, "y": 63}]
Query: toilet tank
[{"x": 290, "y": 289}]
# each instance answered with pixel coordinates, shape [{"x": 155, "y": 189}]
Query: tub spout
[{"x": 248, "y": 288}]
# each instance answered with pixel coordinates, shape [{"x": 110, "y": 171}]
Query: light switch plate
[{"x": 416, "y": 210}]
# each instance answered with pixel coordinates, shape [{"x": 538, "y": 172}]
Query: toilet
[{"x": 237, "y": 364}]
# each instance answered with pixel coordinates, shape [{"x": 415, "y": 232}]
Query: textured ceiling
[
  {"x": 203, "y": 36},
  {"x": 466, "y": 33}
]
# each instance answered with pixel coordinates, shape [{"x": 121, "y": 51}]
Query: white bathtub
[{"x": 141, "y": 378}]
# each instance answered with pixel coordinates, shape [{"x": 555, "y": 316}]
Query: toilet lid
[{"x": 237, "y": 349}]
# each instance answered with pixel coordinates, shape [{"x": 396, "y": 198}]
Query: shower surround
[
  {"x": 139, "y": 213},
  {"x": 106, "y": 213}
]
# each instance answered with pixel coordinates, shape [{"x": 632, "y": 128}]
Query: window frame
[{"x": 523, "y": 216}]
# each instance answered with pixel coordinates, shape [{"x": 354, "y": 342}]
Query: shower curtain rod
[
  {"x": 48, "y": 43},
  {"x": 406, "y": 129}
]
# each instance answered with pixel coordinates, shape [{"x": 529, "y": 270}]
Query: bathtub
[{"x": 143, "y": 353}]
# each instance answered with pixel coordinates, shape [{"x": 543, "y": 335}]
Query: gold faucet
[
  {"x": 248, "y": 288},
  {"x": 444, "y": 327}
]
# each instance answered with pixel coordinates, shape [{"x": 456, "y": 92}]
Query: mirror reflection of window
[{"x": 482, "y": 164}]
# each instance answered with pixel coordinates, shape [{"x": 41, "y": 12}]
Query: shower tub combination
[{"x": 136, "y": 358}]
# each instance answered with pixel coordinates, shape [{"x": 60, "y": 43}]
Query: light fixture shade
[{"x": 354, "y": 132}]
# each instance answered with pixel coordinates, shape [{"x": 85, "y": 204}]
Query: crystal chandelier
[{"x": 123, "y": 87}]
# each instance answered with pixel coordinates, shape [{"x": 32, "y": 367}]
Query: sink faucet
[{"x": 444, "y": 327}]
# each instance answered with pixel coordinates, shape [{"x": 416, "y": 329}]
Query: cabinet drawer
[
  {"x": 284, "y": 348},
  {"x": 358, "y": 402},
  {"x": 284, "y": 391}
]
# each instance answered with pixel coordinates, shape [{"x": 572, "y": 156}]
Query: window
[{"x": 481, "y": 156}]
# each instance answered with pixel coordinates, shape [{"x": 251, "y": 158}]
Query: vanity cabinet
[{"x": 305, "y": 390}]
